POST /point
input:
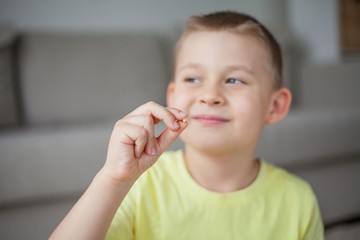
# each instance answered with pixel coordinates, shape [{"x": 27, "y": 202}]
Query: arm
[{"x": 133, "y": 148}]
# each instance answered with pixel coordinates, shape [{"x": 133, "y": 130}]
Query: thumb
[{"x": 168, "y": 136}]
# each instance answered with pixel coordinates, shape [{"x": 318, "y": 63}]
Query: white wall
[
  {"x": 109, "y": 15},
  {"x": 315, "y": 25},
  {"x": 313, "y": 22}
]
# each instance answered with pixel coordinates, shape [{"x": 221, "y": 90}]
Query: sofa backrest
[
  {"x": 82, "y": 77},
  {"x": 330, "y": 86}
]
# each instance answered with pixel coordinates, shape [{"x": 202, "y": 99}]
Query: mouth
[{"x": 210, "y": 119}]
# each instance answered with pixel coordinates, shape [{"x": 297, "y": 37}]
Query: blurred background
[{"x": 70, "y": 69}]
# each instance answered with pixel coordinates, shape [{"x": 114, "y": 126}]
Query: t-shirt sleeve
[
  {"x": 314, "y": 227},
  {"x": 122, "y": 224},
  {"x": 119, "y": 228}
]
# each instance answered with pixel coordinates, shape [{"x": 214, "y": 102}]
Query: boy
[{"x": 227, "y": 85}]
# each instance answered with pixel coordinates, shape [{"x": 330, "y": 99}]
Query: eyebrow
[
  {"x": 191, "y": 66},
  {"x": 240, "y": 68},
  {"x": 228, "y": 68}
]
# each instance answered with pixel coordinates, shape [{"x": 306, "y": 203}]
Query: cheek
[
  {"x": 181, "y": 101},
  {"x": 249, "y": 108}
]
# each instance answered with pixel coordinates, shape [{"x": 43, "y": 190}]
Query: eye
[
  {"x": 192, "y": 80},
  {"x": 235, "y": 81}
]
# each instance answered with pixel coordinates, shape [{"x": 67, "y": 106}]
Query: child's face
[{"x": 224, "y": 82}]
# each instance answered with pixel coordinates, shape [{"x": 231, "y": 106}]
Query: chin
[{"x": 206, "y": 144}]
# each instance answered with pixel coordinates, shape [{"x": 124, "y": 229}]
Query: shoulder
[
  {"x": 296, "y": 199},
  {"x": 287, "y": 182},
  {"x": 293, "y": 193}
]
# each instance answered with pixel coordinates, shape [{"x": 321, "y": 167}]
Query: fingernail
[
  {"x": 176, "y": 124},
  {"x": 153, "y": 150},
  {"x": 182, "y": 114}
]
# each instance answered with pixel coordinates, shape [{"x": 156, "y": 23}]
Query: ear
[
  {"x": 170, "y": 94},
  {"x": 279, "y": 105}
]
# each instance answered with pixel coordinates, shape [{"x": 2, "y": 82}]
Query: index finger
[{"x": 160, "y": 113}]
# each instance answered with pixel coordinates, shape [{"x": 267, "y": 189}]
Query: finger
[
  {"x": 169, "y": 116},
  {"x": 168, "y": 136},
  {"x": 159, "y": 113},
  {"x": 151, "y": 141},
  {"x": 180, "y": 115},
  {"x": 145, "y": 109},
  {"x": 147, "y": 123},
  {"x": 135, "y": 136},
  {"x": 152, "y": 144}
]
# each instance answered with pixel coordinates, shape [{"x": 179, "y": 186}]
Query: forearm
[{"x": 91, "y": 216}]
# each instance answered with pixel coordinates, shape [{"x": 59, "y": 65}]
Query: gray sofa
[{"x": 66, "y": 90}]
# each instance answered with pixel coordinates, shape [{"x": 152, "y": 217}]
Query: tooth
[{"x": 184, "y": 120}]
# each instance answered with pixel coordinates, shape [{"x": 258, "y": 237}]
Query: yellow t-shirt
[{"x": 166, "y": 203}]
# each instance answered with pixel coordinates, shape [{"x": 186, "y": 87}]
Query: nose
[{"x": 212, "y": 96}]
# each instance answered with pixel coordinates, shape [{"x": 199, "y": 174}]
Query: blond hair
[{"x": 238, "y": 23}]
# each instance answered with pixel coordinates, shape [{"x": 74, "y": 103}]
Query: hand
[{"x": 133, "y": 147}]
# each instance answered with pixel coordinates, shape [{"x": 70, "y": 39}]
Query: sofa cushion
[
  {"x": 77, "y": 77},
  {"x": 306, "y": 137},
  {"x": 48, "y": 163},
  {"x": 330, "y": 85}
]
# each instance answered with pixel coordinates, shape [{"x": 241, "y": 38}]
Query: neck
[{"x": 222, "y": 173}]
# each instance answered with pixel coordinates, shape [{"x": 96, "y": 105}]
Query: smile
[{"x": 210, "y": 119}]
